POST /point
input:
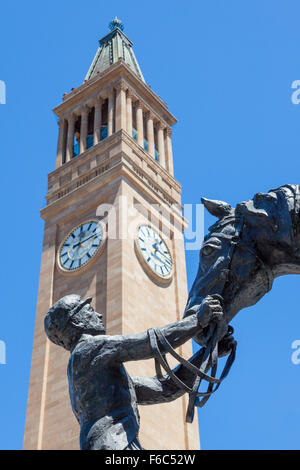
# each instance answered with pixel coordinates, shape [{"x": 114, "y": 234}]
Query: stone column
[
  {"x": 97, "y": 120},
  {"x": 150, "y": 134},
  {"x": 83, "y": 128},
  {"x": 169, "y": 151},
  {"x": 70, "y": 138},
  {"x": 120, "y": 106},
  {"x": 140, "y": 124},
  {"x": 60, "y": 143},
  {"x": 110, "y": 118},
  {"x": 129, "y": 112},
  {"x": 161, "y": 145}
]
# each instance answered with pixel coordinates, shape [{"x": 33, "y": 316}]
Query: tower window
[
  {"x": 134, "y": 134},
  {"x": 146, "y": 146},
  {"x": 76, "y": 143},
  {"x": 90, "y": 132},
  {"x": 156, "y": 154},
  {"x": 103, "y": 130},
  {"x": 89, "y": 141}
]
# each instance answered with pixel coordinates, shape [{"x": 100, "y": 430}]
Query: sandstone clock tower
[{"x": 113, "y": 231}]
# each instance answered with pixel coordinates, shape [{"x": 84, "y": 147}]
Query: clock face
[
  {"x": 80, "y": 245},
  {"x": 154, "y": 251}
]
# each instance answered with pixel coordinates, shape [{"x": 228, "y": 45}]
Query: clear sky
[{"x": 225, "y": 70}]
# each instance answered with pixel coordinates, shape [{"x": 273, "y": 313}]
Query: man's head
[{"x": 71, "y": 317}]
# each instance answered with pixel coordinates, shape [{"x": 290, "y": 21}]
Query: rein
[{"x": 208, "y": 355}]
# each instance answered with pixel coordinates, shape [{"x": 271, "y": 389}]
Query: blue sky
[{"x": 225, "y": 70}]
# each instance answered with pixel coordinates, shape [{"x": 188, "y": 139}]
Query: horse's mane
[{"x": 265, "y": 206}]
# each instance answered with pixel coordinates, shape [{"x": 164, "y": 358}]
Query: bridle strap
[
  {"x": 161, "y": 361},
  {"x": 211, "y": 362},
  {"x": 236, "y": 242},
  {"x": 208, "y": 355}
]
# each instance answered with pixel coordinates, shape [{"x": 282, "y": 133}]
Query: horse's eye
[{"x": 207, "y": 250}]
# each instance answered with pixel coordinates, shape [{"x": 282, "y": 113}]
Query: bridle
[
  {"x": 235, "y": 241},
  {"x": 208, "y": 355}
]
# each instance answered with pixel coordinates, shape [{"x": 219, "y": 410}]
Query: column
[
  {"x": 169, "y": 151},
  {"x": 161, "y": 145},
  {"x": 150, "y": 134},
  {"x": 83, "y": 128},
  {"x": 110, "y": 118},
  {"x": 60, "y": 143},
  {"x": 140, "y": 124},
  {"x": 129, "y": 112},
  {"x": 97, "y": 120},
  {"x": 70, "y": 138},
  {"x": 120, "y": 106}
]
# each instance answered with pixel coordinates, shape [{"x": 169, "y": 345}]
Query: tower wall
[{"x": 117, "y": 167}]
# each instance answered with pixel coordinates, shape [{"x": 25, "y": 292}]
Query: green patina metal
[{"x": 113, "y": 47}]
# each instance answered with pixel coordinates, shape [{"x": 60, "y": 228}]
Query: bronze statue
[
  {"x": 240, "y": 257},
  {"x": 104, "y": 397},
  {"x": 245, "y": 250}
]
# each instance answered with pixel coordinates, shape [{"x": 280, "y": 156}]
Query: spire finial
[{"x": 116, "y": 23}]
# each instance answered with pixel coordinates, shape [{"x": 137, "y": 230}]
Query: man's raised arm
[{"x": 123, "y": 348}]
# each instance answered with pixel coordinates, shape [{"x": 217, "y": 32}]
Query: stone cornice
[
  {"x": 99, "y": 164},
  {"x": 120, "y": 167},
  {"x": 91, "y": 89}
]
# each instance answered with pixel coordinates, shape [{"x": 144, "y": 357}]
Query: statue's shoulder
[{"x": 88, "y": 347}]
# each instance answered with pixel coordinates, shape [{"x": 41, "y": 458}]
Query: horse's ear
[{"x": 217, "y": 208}]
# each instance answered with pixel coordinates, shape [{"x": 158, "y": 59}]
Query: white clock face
[
  {"x": 154, "y": 252},
  {"x": 80, "y": 245}
]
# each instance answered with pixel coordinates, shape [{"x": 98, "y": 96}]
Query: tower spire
[
  {"x": 116, "y": 23},
  {"x": 113, "y": 47}
]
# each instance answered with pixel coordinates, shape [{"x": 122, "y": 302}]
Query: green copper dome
[{"x": 112, "y": 47}]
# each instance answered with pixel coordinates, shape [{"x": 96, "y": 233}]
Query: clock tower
[{"x": 113, "y": 232}]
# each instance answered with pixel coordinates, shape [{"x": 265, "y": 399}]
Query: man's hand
[{"x": 209, "y": 312}]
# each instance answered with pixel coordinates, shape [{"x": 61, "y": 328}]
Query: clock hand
[
  {"x": 157, "y": 250},
  {"x": 162, "y": 253},
  {"x": 164, "y": 259},
  {"x": 159, "y": 259},
  {"x": 83, "y": 241}
]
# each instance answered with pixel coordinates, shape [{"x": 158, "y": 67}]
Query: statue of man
[{"x": 104, "y": 397}]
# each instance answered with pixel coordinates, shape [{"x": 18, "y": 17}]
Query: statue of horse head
[{"x": 247, "y": 248}]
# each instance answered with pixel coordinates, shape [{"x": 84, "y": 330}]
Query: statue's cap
[{"x": 60, "y": 313}]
